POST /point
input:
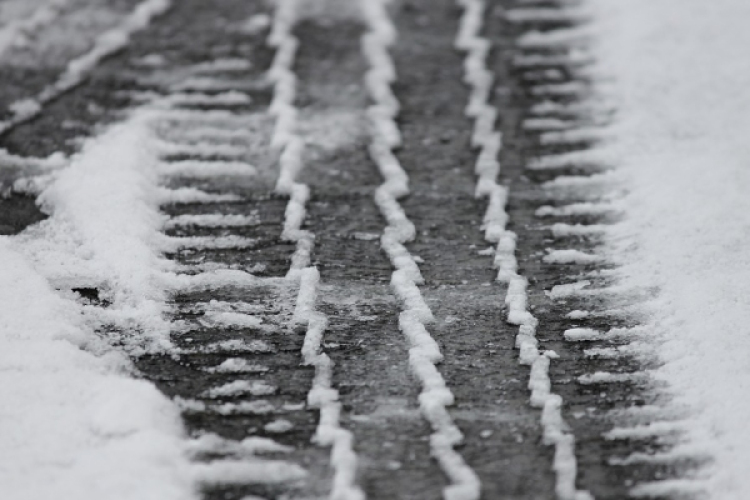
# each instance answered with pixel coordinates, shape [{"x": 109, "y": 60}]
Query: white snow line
[
  {"x": 175, "y": 243},
  {"x": 248, "y": 447},
  {"x": 198, "y": 169},
  {"x": 547, "y": 124},
  {"x": 222, "y": 66},
  {"x": 285, "y": 138},
  {"x": 587, "y": 334},
  {"x": 76, "y": 71},
  {"x": 614, "y": 352},
  {"x": 424, "y": 352},
  {"x": 247, "y": 471},
  {"x": 205, "y": 118},
  {"x": 611, "y": 378},
  {"x": 673, "y": 488},
  {"x": 321, "y": 395},
  {"x": 229, "y": 98},
  {"x": 217, "y": 84},
  {"x": 219, "y": 278},
  {"x": 241, "y": 387},
  {"x": 222, "y": 99},
  {"x": 208, "y": 134},
  {"x": 201, "y": 149},
  {"x": 236, "y": 345},
  {"x": 15, "y": 31},
  {"x": 212, "y": 220},
  {"x": 647, "y": 431},
  {"x": 583, "y": 208},
  {"x": 53, "y": 162},
  {"x": 193, "y": 195},
  {"x": 572, "y": 136},
  {"x": 566, "y": 37},
  {"x": 488, "y": 141},
  {"x": 585, "y": 158},
  {"x": 237, "y": 365}
]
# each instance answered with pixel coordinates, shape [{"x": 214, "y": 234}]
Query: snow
[
  {"x": 104, "y": 227},
  {"x": 106, "y": 44},
  {"x": 241, "y": 472},
  {"x": 205, "y": 169},
  {"x": 278, "y": 426},
  {"x": 193, "y": 195},
  {"x": 570, "y": 256},
  {"x": 74, "y": 424},
  {"x": 237, "y": 365},
  {"x": 562, "y": 230},
  {"x": 322, "y": 395},
  {"x": 678, "y": 74},
  {"x": 212, "y": 220},
  {"x": 241, "y": 387}
]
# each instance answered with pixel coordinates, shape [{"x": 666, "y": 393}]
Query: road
[{"x": 338, "y": 284}]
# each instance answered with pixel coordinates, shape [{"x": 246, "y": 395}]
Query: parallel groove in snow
[
  {"x": 424, "y": 352},
  {"x": 489, "y": 143}
]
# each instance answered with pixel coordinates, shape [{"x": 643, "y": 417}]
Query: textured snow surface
[
  {"x": 73, "y": 424},
  {"x": 678, "y": 73},
  {"x": 103, "y": 231}
]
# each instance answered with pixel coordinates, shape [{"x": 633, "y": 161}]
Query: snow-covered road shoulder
[
  {"x": 75, "y": 288},
  {"x": 678, "y": 74},
  {"x": 73, "y": 424}
]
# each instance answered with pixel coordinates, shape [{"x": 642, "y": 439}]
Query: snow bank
[
  {"x": 74, "y": 425},
  {"x": 679, "y": 74},
  {"x": 104, "y": 228}
]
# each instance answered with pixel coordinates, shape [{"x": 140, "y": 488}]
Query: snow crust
[{"x": 678, "y": 74}]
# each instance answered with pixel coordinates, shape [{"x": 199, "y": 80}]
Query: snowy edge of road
[
  {"x": 680, "y": 140},
  {"x": 113, "y": 436},
  {"x": 76, "y": 70},
  {"x": 322, "y": 395},
  {"x": 424, "y": 352},
  {"x": 489, "y": 142}
]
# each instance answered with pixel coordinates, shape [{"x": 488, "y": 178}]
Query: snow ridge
[
  {"x": 321, "y": 395},
  {"x": 285, "y": 138},
  {"x": 76, "y": 71},
  {"x": 489, "y": 143},
  {"x": 424, "y": 352}
]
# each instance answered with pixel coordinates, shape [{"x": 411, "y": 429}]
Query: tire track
[
  {"x": 424, "y": 352},
  {"x": 572, "y": 293},
  {"x": 378, "y": 398}
]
